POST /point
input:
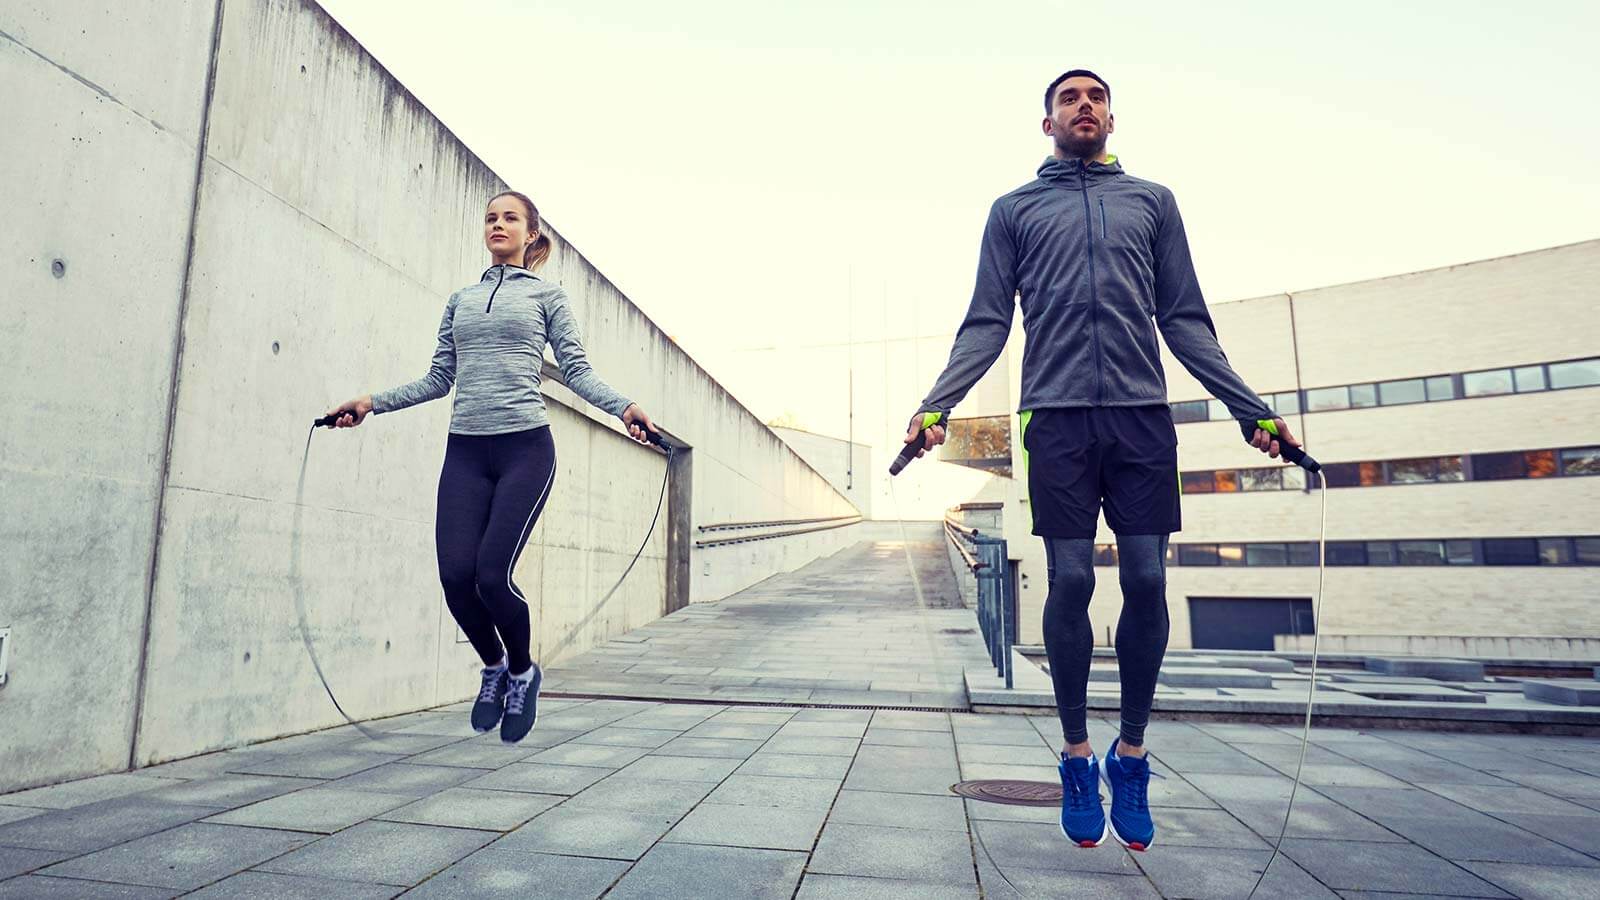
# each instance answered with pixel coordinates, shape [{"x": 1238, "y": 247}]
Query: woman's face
[{"x": 506, "y": 230}]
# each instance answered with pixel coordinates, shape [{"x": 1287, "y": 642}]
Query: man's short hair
[{"x": 1050, "y": 92}]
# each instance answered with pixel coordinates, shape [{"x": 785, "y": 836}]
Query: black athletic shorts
[{"x": 1124, "y": 455}]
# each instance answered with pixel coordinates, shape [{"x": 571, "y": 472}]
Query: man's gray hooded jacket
[{"x": 1101, "y": 261}]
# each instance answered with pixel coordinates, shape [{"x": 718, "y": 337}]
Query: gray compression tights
[{"x": 1141, "y": 630}]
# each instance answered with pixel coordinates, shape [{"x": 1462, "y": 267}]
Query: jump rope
[
  {"x": 329, "y": 421},
  {"x": 1290, "y": 453}
]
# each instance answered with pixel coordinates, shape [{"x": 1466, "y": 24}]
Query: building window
[
  {"x": 1580, "y": 461},
  {"x": 1578, "y": 373},
  {"x": 1541, "y": 463},
  {"x": 1555, "y": 552},
  {"x": 1105, "y": 555},
  {"x": 982, "y": 442},
  {"x": 1450, "y": 469},
  {"x": 1459, "y": 553},
  {"x": 1320, "y": 399},
  {"x": 1260, "y": 479},
  {"x": 1199, "y": 482},
  {"x": 1498, "y": 466},
  {"x": 1266, "y": 554},
  {"x": 1371, "y": 473},
  {"x": 1227, "y": 481},
  {"x": 1294, "y": 478},
  {"x": 1341, "y": 474},
  {"x": 1189, "y": 411},
  {"x": 1510, "y": 552},
  {"x": 1230, "y": 554},
  {"x": 1380, "y": 553},
  {"x": 1347, "y": 553},
  {"x": 1413, "y": 471},
  {"x": 1362, "y": 395},
  {"x": 1197, "y": 554},
  {"x": 1302, "y": 553},
  {"x": 1394, "y": 393},
  {"x": 1218, "y": 411},
  {"x": 1486, "y": 384},
  {"x": 1284, "y": 404},
  {"x": 1420, "y": 553},
  {"x": 1528, "y": 378},
  {"x": 1586, "y": 551},
  {"x": 1441, "y": 387}
]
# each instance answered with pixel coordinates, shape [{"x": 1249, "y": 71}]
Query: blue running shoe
[
  {"x": 1129, "y": 780},
  {"x": 1082, "y": 819}
]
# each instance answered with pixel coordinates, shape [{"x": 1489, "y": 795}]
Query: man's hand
[
  {"x": 352, "y": 412},
  {"x": 1272, "y": 444},
  {"x": 935, "y": 435}
]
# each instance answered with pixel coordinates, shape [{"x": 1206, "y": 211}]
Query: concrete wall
[
  {"x": 848, "y": 467},
  {"x": 241, "y": 250}
]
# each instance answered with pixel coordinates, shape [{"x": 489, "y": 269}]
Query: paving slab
[
  {"x": 471, "y": 808},
  {"x": 1400, "y": 868},
  {"x": 227, "y": 791},
  {"x": 268, "y": 886},
  {"x": 699, "y": 870},
  {"x": 774, "y": 828},
  {"x": 776, "y": 791},
  {"x": 538, "y": 778},
  {"x": 41, "y": 887},
  {"x": 816, "y": 886},
  {"x": 87, "y": 790},
  {"x": 876, "y": 851},
  {"x": 316, "y": 764},
  {"x": 10, "y": 814},
  {"x": 16, "y": 861},
  {"x": 1208, "y": 873},
  {"x": 494, "y": 874},
  {"x": 321, "y": 810},
  {"x": 595, "y": 832},
  {"x": 933, "y": 813},
  {"x": 95, "y": 826},
  {"x": 405, "y": 779},
  {"x": 475, "y": 755},
  {"x": 643, "y": 795},
  {"x": 184, "y": 858},
  {"x": 382, "y": 852},
  {"x": 1215, "y": 678},
  {"x": 1539, "y": 882},
  {"x": 1032, "y": 845}
]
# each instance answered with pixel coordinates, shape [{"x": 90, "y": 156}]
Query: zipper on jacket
[
  {"x": 496, "y": 289},
  {"x": 1094, "y": 299},
  {"x": 1102, "y": 217}
]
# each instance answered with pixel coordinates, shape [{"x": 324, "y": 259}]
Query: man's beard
[{"x": 1076, "y": 147}]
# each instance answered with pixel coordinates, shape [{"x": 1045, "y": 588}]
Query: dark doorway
[{"x": 1246, "y": 623}]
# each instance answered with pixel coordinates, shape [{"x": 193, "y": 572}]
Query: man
[{"x": 1096, "y": 255}]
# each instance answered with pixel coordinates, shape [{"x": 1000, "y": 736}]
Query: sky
[{"x": 795, "y": 192}]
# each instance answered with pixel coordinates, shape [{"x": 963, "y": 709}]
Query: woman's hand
[
  {"x": 352, "y": 412},
  {"x": 637, "y": 423}
]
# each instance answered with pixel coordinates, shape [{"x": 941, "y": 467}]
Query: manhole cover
[{"x": 1013, "y": 793}]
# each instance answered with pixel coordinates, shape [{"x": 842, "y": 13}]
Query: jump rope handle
[
  {"x": 1287, "y": 450},
  {"x": 331, "y": 420},
  {"x": 929, "y": 419}
]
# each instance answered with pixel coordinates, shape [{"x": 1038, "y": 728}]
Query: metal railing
[
  {"x": 825, "y": 525},
  {"x": 997, "y": 606}
]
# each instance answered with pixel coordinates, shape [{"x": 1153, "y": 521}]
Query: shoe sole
[
  {"x": 536, "y": 689},
  {"x": 1131, "y": 845},
  {"x": 1089, "y": 845}
]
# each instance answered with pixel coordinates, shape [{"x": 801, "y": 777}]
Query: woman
[{"x": 500, "y": 460}]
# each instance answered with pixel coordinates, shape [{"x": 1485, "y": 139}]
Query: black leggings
[
  {"x": 1141, "y": 629},
  {"x": 491, "y": 492}
]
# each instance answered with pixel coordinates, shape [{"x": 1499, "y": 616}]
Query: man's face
[{"x": 1080, "y": 119}]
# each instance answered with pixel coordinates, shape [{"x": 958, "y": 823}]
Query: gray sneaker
[
  {"x": 491, "y": 698},
  {"x": 522, "y": 706}
]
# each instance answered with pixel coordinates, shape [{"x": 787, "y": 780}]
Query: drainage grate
[{"x": 1010, "y": 792}]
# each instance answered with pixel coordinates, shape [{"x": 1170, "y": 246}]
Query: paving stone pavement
[
  {"x": 811, "y": 803},
  {"x": 667, "y": 798},
  {"x": 848, "y": 629}
]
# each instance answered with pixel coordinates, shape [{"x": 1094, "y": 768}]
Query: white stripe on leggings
[{"x": 527, "y": 529}]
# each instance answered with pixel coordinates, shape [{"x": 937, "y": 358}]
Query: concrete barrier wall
[{"x": 152, "y": 451}]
